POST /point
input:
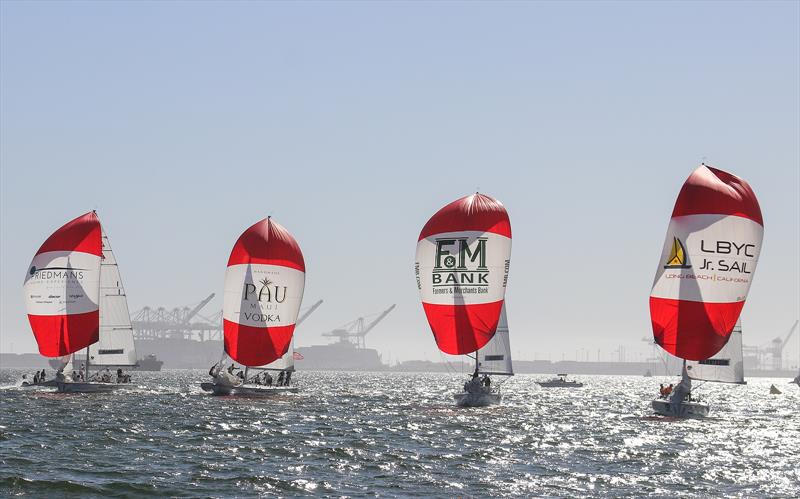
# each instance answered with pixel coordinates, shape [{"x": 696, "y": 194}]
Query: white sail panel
[
  {"x": 727, "y": 366},
  {"x": 495, "y": 356},
  {"x": 116, "y": 346}
]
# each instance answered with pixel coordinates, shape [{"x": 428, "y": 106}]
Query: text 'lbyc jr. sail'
[{"x": 707, "y": 264}]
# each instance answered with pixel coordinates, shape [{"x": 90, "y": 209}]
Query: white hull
[
  {"x": 465, "y": 399},
  {"x": 247, "y": 390},
  {"x": 680, "y": 410},
  {"x": 90, "y": 387}
]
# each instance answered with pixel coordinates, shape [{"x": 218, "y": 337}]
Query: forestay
[
  {"x": 116, "y": 345},
  {"x": 495, "y": 356},
  {"x": 727, "y": 366}
]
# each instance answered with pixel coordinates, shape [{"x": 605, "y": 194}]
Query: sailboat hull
[
  {"x": 48, "y": 383},
  {"x": 681, "y": 410},
  {"x": 247, "y": 391},
  {"x": 91, "y": 387},
  {"x": 465, "y": 399}
]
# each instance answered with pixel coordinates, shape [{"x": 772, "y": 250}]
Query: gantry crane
[
  {"x": 776, "y": 348},
  {"x": 354, "y": 332}
]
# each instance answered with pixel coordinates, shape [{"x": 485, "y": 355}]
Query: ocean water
[{"x": 391, "y": 434}]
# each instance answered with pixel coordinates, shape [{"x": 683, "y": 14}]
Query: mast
[{"x": 86, "y": 366}]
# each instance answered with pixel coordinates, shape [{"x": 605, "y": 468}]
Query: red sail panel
[
  {"x": 707, "y": 264},
  {"x": 264, "y": 285},
  {"x": 62, "y": 288},
  {"x": 462, "y": 261}
]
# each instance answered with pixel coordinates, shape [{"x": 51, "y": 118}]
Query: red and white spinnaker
[
  {"x": 462, "y": 262},
  {"x": 62, "y": 288},
  {"x": 263, "y": 291},
  {"x": 707, "y": 264}
]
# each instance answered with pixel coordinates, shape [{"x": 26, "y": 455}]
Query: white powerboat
[{"x": 560, "y": 381}]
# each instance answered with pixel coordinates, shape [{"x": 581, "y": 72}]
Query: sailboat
[
  {"x": 264, "y": 285},
  {"x": 704, "y": 274},
  {"x": 726, "y": 366},
  {"x": 462, "y": 262},
  {"x": 75, "y": 301}
]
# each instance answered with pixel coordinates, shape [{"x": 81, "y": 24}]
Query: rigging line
[{"x": 450, "y": 369}]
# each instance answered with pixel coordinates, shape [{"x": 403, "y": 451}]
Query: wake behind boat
[{"x": 560, "y": 381}]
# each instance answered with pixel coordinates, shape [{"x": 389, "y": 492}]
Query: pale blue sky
[{"x": 183, "y": 123}]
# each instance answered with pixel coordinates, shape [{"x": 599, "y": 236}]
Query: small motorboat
[{"x": 560, "y": 381}]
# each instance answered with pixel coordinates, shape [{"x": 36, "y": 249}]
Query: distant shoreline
[{"x": 36, "y": 361}]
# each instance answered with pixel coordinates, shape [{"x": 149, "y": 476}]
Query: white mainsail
[
  {"x": 495, "y": 356},
  {"x": 727, "y": 366},
  {"x": 116, "y": 346}
]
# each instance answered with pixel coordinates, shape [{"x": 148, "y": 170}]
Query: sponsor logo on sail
[
  {"x": 56, "y": 273},
  {"x": 267, "y": 292},
  {"x": 677, "y": 259},
  {"x": 263, "y": 300},
  {"x": 459, "y": 268}
]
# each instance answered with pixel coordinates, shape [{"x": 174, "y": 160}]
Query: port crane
[
  {"x": 308, "y": 312},
  {"x": 185, "y": 322},
  {"x": 354, "y": 331},
  {"x": 776, "y": 348}
]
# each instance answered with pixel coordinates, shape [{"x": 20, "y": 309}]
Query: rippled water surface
[{"x": 365, "y": 434}]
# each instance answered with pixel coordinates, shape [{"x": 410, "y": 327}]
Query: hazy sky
[{"x": 351, "y": 123}]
